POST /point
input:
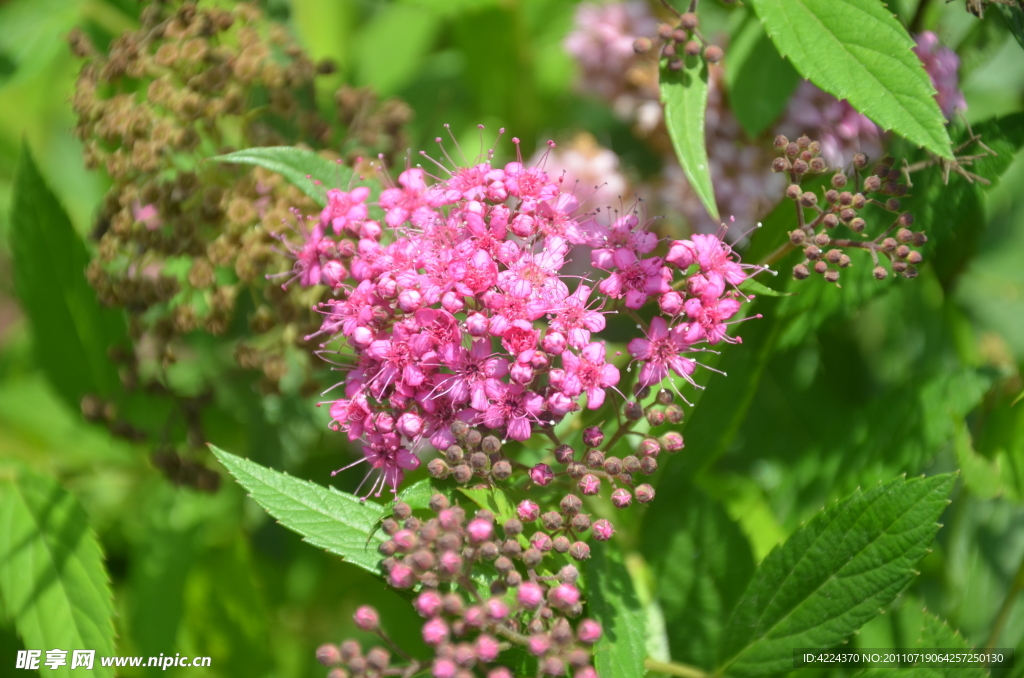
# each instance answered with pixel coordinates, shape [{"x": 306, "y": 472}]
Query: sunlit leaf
[
  {"x": 833, "y": 575},
  {"x": 52, "y": 578},
  {"x": 335, "y": 521},
  {"x": 685, "y": 96},
  {"x": 857, "y": 50}
]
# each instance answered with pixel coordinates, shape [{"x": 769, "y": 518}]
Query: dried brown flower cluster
[{"x": 184, "y": 245}]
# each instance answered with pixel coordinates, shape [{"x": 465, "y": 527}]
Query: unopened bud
[
  {"x": 644, "y": 493},
  {"x": 552, "y": 520},
  {"x": 571, "y": 504},
  {"x": 634, "y": 411},
  {"x": 328, "y": 655},
  {"x": 613, "y": 466},
  {"x": 561, "y": 544},
  {"x": 621, "y": 498},
  {"x": 642, "y": 45},
  {"x": 713, "y": 53}
]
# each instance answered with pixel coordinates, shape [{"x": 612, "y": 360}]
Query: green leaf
[
  {"x": 981, "y": 475},
  {"x": 935, "y": 634},
  {"x": 833, "y": 574},
  {"x": 52, "y": 578},
  {"x": 751, "y": 286},
  {"x": 335, "y": 521},
  {"x": 71, "y": 330},
  {"x": 760, "y": 81},
  {"x": 304, "y": 169},
  {"x": 701, "y": 563},
  {"x": 418, "y": 495},
  {"x": 613, "y": 602},
  {"x": 857, "y": 50},
  {"x": 1014, "y": 17},
  {"x": 685, "y": 96},
  {"x": 494, "y": 500}
]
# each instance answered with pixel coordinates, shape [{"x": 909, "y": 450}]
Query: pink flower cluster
[{"x": 455, "y": 309}]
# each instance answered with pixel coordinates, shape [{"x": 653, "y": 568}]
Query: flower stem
[{"x": 674, "y": 669}]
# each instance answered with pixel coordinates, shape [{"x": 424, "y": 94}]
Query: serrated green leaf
[
  {"x": 52, "y": 578},
  {"x": 71, "y": 331},
  {"x": 701, "y": 563},
  {"x": 833, "y": 575},
  {"x": 857, "y": 50},
  {"x": 760, "y": 81},
  {"x": 612, "y": 601},
  {"x": 685, "y": 96},
  {"x": 303, "y": 169},
  {"x": 335, "y": 521}
]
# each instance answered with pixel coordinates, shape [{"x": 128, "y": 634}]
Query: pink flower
[
  {"x": 408, "y": 202},
  {"x": 942, "y": 64},
  {"x": 659, "y": 353},
  {"x": 512, "y": 407},
  {"x": 472, "y": 370},
  {"x": 589, "y": 372},
  {"x": 345, "y": 210},
  {"x": 435, "y": 631},
  {"x": 709, "y": 316},
  {"x": 575, "y": 320},
  {"x": 527, "y": 511},
  {"x": 636, "y": 279}
]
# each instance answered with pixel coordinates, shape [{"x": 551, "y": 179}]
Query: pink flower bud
[
  {"x": 362, "y": 337},
  {"x": 410, "y": 425},
  {"x": 564, "y": 596},
  {"x": 541, "y": 541},
  {"x": 528, "y": 511},
  {"x": 409, "y": 300},
  {"x": 401, "y": 576},
  {"x": 682, "y": 253},
  {"x": 405, "y": 541},
  {"x": 496, "y": 609},
  {"x": 366, "y": 618},
  {"x": 553, "y": 343},
  {"x": 539, "y": 361},
  {"x": 672, "y": 441},
  {"x": 621, "y": 498},
  {"x": 445, "y": 668},
  {"x": 603, "y": 530},
  {"x": 523, "y": 225},
  {"x": 530, "y": 595},
  {"x": 465, "y": 655},
  {"x": 541, "y": 474},
  {"x": 649, "y": 447},
  {"x": 586, "y": 672},
  {"x": 450, "y": 563},
  {"x": 671, "y": 303},
  {"x": 476, "y": 324},
  {"x": 593, "y": 436},
  {"x": 387, "y": 289},
  {"x": 553, "y": 666},
  {"x": 590, "y": 484},
  {"x": 428, "y": 603},
  {"x": 370, "y": 230},
  {"x": 328, "y": 655},
  {"x": 383, "y": 422},
  {"x": 450, "y": 519},
  {"x": 475, "y": 617},
  {"x": 588, "y": 631},
  {"x": 560, "y": 404},
  {"x": 333, "y": 273},
  {"x": 479, "y": 530},
  {"x": 644, "y": 493},
  {"x": 539, "y": 644},
  {"x": 487, "y": 648},
  {"x": 521, "y": 374},
  {"x": 435, "y": 631},
  {"x": 452, "y": 303}
]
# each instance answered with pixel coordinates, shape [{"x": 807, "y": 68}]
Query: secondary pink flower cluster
[{"x": 455, "y": 308}]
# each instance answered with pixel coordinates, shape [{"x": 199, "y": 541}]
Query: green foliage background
[{"x": 836, "y": 389}]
